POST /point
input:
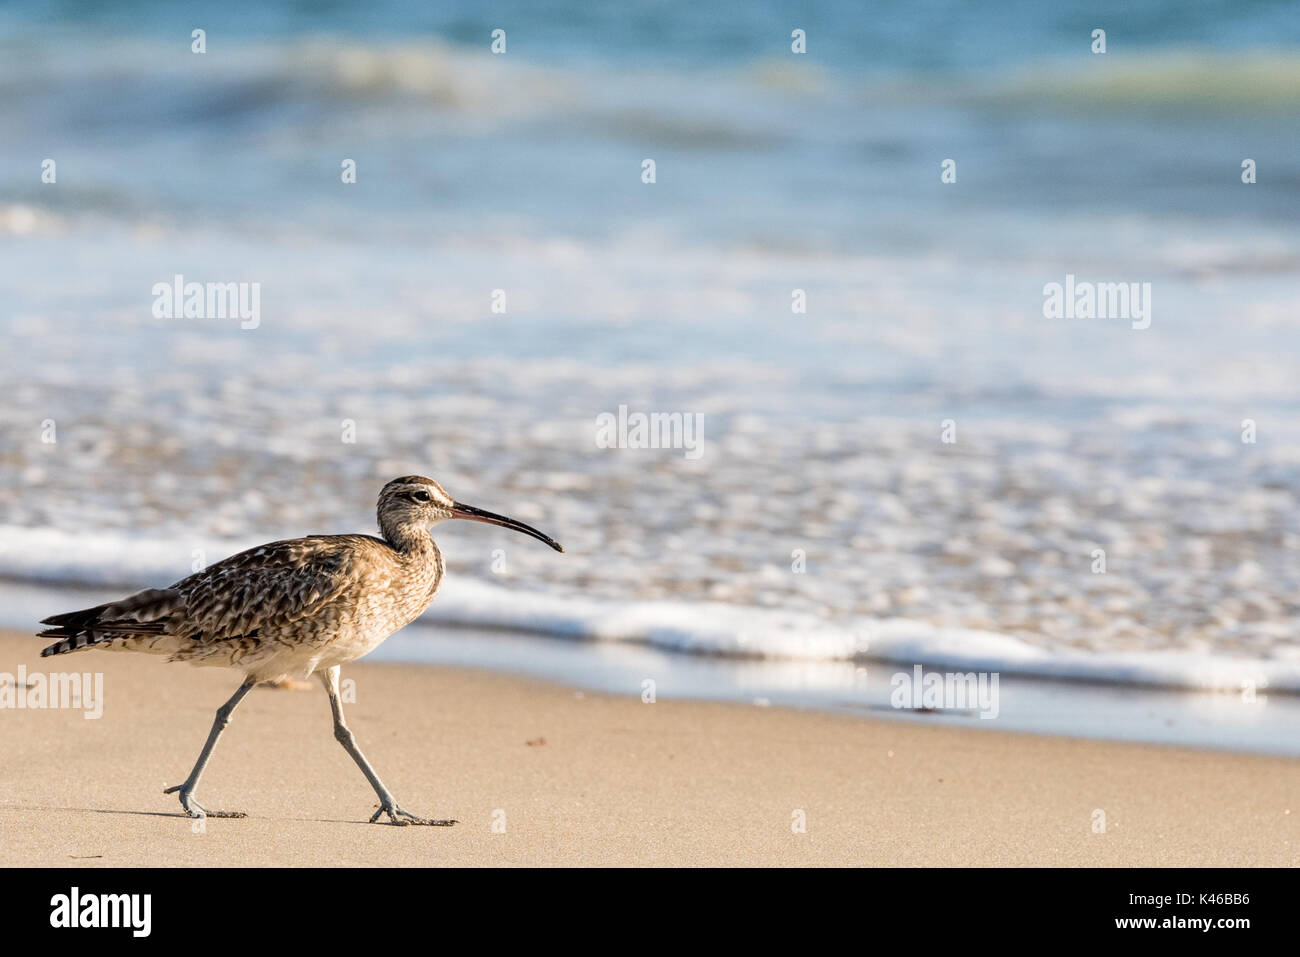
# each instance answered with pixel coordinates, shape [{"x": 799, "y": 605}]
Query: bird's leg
[
  {"x": 387, "y": 803},
  {"x": 192, "y": 807}
]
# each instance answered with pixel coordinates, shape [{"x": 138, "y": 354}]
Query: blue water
[
  {"x": 775, "y": 172},
  {"x": 839, "y": 147}
]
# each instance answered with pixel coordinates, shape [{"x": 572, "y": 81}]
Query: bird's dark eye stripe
[{"x": 419, "y": 495}]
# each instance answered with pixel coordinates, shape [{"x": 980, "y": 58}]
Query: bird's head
[{"x": 415, "y": 502}]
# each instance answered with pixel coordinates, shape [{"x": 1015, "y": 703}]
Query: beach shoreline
[
  {"x": 582, "y": 778},
  {"x": 1234, "y": 715}
]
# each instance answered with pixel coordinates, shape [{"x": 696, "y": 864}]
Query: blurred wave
[{"x": 1200, "y": 83}]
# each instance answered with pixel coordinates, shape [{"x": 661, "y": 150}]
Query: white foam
[{"x": 700, "y": 628}]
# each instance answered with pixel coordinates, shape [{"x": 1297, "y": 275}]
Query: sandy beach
[{"x": 590, "y": 779}]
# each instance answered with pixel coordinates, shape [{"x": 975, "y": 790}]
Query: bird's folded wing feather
[{"x": 271, "y": 585}]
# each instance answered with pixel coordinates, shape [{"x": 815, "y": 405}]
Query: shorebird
[{"x": 291, "y": 609}]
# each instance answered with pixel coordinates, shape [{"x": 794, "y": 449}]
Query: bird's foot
[
  {"x": 196, "y": 810},
  {"x": 401, "y": 818}
]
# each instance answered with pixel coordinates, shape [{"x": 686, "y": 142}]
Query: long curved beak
[{"x": 472, "y": 514}]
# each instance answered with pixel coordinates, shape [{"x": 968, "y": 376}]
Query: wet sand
[{"x": 591, "y": 779}]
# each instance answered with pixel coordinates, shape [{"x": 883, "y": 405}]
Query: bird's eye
[{"x": 420, "y": 496}]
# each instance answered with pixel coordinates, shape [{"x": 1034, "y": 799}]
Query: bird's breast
[{"x": 387, "y": 603}]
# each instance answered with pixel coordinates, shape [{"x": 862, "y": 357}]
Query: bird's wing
[{"x": 271, "y": 585}]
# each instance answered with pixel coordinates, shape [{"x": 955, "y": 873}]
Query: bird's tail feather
[{"x": 136, "y": 616}]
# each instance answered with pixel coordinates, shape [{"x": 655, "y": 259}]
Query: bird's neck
[
  {"x": 419, "y": 560},
  {"x": 410, "y": 540}
]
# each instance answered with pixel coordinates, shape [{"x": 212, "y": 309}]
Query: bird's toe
[{"x": 400, "y": 817}]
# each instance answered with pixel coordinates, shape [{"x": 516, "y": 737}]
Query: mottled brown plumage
[
  {"x": 280, "y": 610},
  {"x": 290, "y": 609}
]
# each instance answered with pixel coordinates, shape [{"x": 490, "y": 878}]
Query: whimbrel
[{"x": 291, "y": 609}]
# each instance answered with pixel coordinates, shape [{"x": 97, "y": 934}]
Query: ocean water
[{"x": 825, "y": 519}]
